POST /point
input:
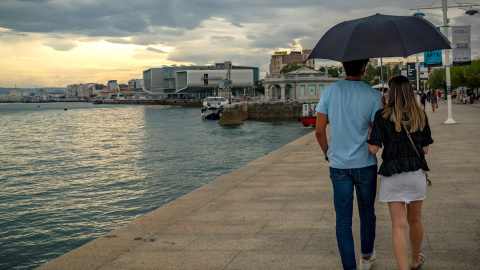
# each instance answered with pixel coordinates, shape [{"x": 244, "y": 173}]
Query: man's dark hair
[{"x": 354, "y": 68}]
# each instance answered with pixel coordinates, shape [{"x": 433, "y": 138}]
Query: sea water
[{"x": 70, "y": 176}]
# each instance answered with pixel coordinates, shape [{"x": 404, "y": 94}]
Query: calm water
[{"x": 68, "y": 177}]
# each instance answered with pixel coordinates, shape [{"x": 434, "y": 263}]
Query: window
[
  {"x": 320, "y": 89},
  {"x": 311, "y": 90},
  {"x": 302, "y": 90}
]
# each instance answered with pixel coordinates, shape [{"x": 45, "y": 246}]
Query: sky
[{"x": 54, "y": 43}]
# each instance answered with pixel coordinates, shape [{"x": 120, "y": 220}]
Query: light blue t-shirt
[{"x": 351, "y": 107}]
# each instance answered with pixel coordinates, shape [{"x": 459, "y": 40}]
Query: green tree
[
  {"x": 289, "y": 67},
  {"x": 472, "y": 75},
  {"x": 370, "y": 75},
  {"x": 467, "y": 76},
  {"x": 436, "y": 79}
]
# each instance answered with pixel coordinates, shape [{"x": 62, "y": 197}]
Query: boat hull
[
  {"x": 308, "y": 120},
  {"x": 211, "y": 113}
]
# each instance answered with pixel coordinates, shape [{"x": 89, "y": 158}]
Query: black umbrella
[{"x": 379, "y": 36}]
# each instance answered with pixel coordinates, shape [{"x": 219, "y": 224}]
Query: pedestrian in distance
[
  {"x": 349, "y": 107},
  {"x": 402, "y": 129},
  {"x": 434, "y": 99}
]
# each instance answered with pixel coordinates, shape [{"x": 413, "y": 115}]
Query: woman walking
[
  {"x": 433, "y": 99},
  {"x": 402, "y": 128}
]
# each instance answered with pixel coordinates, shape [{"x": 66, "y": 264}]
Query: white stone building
[{"x": 302, "y": 85}]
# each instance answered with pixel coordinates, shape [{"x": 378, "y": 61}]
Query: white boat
[{"x": 213, "y": 107}]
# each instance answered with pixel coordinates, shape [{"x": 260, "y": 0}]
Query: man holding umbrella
[{"x": 349, "y": 106}]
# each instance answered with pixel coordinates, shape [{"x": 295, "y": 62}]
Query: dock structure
[{"x": 277, "y": 213}]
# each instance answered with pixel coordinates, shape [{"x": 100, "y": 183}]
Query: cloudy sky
[{"x": 59, "y": 42}]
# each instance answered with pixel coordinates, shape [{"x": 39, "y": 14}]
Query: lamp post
[{"x": 445, "y": 26}]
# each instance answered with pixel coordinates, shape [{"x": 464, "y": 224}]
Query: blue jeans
[{"x": 365, "y": 182}]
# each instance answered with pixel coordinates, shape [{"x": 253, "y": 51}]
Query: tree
[
  {"x": 466, "y": 76},
  {"x": 472, "y": 75},
  {"x": 370, "y": 75},
  {"x": 333, "y": 71},
  {"x": 436, "y": 79},
  {"x": 289, "y": 67}
]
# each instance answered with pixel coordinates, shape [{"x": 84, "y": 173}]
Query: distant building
[
  {"x": 302, "y": 85},
  {"x": 163, "y": 81},
  {"x": 208, "y": 81},
  {"x": 15, "y": 95},
  {"x": 280, "y": 59},
  {"x": 112, "y": 85},
  {"x": 135, "y": 84}
]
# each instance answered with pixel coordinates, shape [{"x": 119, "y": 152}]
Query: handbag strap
[{"x": 409, "y": 137}]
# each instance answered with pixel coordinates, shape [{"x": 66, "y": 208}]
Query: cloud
[
  {"x": 155, "y": 50},
  {"x": 61, "y": 45},
  {"x": 194, "y": 31},
  {"x": 224, "y": 39}
]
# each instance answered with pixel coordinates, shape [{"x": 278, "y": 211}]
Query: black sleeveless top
[{"x": 399, "y": 155}]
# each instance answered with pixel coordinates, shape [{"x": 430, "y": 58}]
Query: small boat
[
  {"x": 213, "y": 107},
  {"x": 309, "y": 116},
  {"x": 97, "y": 101}
]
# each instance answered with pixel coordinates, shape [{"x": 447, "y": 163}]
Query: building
[
  {"x": 163, "y": 81},
  {"x": 112, "y": 85},
  {"x": 135, "y": 84},
  {"x": 15, "y": 95},
  {"x": 208, "y": 82},
  {"x": 280, "y": 59},
  {"x": 302, "y": 85}
]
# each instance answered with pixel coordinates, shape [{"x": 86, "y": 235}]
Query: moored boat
[
  {"x": 309, "y": 116},
  {"x": 213, "y": 107}
]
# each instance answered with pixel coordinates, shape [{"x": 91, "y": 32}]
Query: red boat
[
  {"x": 309, "y": 116},
  {"x": 308, "y": 120}
]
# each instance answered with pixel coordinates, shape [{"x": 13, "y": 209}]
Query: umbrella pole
[{"x": 381, "y": 76}]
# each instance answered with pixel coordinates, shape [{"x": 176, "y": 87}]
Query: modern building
[
  {"x": 112, "y": 85},
  {"x": 208, "y": 82},
  {"x": 302, "y": 85},
  {"x": 163, "y": 81},
  {"x": 282, "y": 58},
  {"x": 135, "y": 84}
]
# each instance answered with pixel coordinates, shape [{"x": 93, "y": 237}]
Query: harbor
[{"x": 277, "y": 213}]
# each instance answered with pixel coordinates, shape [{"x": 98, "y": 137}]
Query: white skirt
[{"x": 403, "y": 187}]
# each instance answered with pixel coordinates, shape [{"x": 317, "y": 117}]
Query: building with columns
[{"x": 302, "y": 85}]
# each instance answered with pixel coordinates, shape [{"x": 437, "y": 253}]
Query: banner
[
  {"x": 411, "y": 71},
  {"x": 433, "y": 58},
  {"x": 423, "y": 71},
  {"x": 461, "y": 45}
]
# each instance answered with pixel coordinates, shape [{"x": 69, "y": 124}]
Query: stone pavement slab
[{"x": 277, "y": 213}]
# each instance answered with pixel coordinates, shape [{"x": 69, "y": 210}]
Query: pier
[{"x": 277, "y": 213}]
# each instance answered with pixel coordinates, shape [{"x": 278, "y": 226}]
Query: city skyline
[{"x": 54, "y": 43}]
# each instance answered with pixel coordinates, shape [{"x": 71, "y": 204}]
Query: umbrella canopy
[
  {"x": 379, "y": 36},
  {"x": 380, "y": 86}
]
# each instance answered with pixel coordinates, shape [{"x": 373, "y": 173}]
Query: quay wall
[
  {"x": 180, "y": 102},
  {"x": 237, "y": 113}
]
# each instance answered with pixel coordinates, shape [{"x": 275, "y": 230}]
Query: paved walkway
[{"x": 277, "y": 213}]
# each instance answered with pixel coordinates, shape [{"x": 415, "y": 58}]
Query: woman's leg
[
  {"x": 399, "y": 231},
  {"x": 414, "y": 217}
]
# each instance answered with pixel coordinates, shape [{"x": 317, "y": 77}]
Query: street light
[{"x": 445, "y": 26}]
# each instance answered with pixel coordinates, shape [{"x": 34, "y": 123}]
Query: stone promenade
[{"x": 277, "y": 213}]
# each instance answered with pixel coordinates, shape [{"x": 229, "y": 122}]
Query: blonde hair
[{"x": 402, "y": 106}]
